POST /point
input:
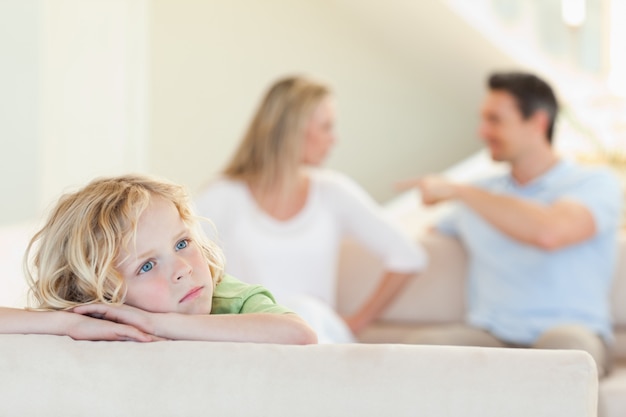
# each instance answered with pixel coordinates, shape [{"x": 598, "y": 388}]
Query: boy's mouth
[{"x": 193, "y": 293}]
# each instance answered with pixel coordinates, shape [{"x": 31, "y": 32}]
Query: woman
[{"x": 281, "y": 218}]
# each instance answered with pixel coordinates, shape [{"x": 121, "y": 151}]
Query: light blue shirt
[{"x": 517, "y": 291}]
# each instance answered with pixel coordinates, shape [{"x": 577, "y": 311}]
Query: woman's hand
[{"x": 356, "y": 323}]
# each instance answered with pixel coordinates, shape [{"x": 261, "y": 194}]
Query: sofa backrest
[
  {"x": 437, "y": 295},
  {"x": 55, "y": 376}
]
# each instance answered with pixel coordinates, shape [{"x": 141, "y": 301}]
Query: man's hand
[
  {"x": 433, "y": 188},
  {"x": 436, "y": 189}
]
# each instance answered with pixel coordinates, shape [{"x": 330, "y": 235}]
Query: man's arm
[{"x": 548, "y": 227}]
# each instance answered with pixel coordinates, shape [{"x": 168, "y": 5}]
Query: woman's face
[{"x": 319, "y": 134}]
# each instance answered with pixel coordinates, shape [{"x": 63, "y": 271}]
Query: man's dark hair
[{"x": 530, "y": 92}]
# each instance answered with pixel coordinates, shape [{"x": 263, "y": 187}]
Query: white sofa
[
  {"x": 437, "y": 296},
  {"x": 52, "y": 376},
  {"x": 55, "y": 376}
]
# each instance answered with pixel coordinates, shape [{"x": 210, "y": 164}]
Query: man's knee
[
  {"x": 569, "y": 337},
  {"x": 576, "y": 337}
]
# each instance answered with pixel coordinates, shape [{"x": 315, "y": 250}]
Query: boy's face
[{"x": 166, "y": 271}]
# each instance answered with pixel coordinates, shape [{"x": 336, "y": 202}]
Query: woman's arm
[
  {"x": 254, "y": 327},
  {"x": 365, "y": 221},
  {"x": 389, "y": 287},
  {"x": 65, "y": 323}
]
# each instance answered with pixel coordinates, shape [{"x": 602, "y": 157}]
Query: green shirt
[{"x": 232, "y": 296}]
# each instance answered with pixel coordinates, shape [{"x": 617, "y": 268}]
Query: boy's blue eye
[
  {"x": 147, "y": 266},
  {"x": 182, "y": 244}
]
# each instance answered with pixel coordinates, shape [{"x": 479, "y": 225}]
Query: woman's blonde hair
[
  {"x": 271, "y": 149},
  {"x": 72, "y": 260}
]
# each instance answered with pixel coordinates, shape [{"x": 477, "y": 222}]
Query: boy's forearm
[
  {"x": 19, "y": 321},
  {"x": 255, "y": 327}
]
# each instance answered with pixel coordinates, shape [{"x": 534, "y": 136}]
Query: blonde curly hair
[{"x": 72, "y": 259}]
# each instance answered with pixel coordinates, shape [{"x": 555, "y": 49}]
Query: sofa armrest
[{"x": 618, "y": 292}]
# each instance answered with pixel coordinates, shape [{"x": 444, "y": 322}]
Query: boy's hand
[
  {"x": 81, "y": 327},
  {"x": 123, "y": 315}
]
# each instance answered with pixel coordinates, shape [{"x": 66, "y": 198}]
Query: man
[{"x": 541, "y": 239}]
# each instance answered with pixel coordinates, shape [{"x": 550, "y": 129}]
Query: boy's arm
[
  {"x": 285, "y": 328},
  {"x": 253, "y": 327},
  {"x": 65, "y": 323}
]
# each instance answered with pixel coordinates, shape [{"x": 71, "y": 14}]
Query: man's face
[{"x": 503, "y": 129}]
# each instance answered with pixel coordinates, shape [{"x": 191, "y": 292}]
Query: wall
[
  {"x": 94, "y": 88},
  {"x": 20, "y": 171},
  {"x": 73, "y": 103},
  {"x": 408, "y": 83},
  {"x": 93, "y": 91}
]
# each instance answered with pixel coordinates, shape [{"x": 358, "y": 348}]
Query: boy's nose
[{"x": 182, "y": 270}]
